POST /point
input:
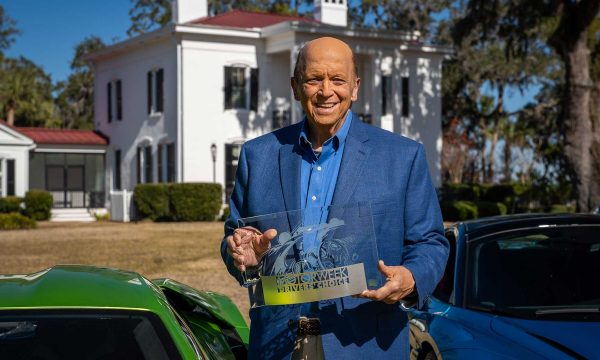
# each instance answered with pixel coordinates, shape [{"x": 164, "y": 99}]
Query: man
[{"x": 331, "y": 158}]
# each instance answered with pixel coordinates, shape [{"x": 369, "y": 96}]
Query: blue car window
[{"x": 538, "y": 272}]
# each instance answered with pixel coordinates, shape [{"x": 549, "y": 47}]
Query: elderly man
[{"x": 331, "y": 158}]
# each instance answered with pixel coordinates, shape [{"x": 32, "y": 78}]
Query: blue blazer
[{"x": 383, "y": 168}]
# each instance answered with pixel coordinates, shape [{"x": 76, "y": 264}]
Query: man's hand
[
  {"x": 400, "y": 283},
  {"x": 247, "y": 246}
]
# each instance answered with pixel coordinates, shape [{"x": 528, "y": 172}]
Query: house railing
[{"x": 78, "y": 199}]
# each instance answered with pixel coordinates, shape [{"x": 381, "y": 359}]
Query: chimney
[
  {"x": 188, "y": 10},
  {"x": 332, "y": 12}
]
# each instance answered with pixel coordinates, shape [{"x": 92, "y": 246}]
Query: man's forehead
[{"x": 327, "y": 45}]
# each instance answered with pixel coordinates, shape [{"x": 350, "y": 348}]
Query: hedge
[
  {"x": 10, "y": 204},
  {"x": 488, "y": 208},
  {"x": 178, "y": 202},
  {"x": 38, "y": 204},
  {"x": 459, "y": 210},
  {"x": 16, "y": 221},
  {"x": 152, "y": 201}
]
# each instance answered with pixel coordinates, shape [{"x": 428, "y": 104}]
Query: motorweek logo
[{"x": 295, "y": 288}]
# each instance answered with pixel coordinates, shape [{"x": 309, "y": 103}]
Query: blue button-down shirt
[{"x": 318, "y": 177}]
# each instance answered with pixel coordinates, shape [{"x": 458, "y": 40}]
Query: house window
[
  {"x": 117, "y": 172},
  {"x": 144, "y": 164},
  {"x": 241, "y": 87},
  {"x": 405, "y": 96},
  {"x": 386, "y": 94},
  {"x": 114, "y": 101},
  {"x": 166, "y": 162},
  {"x": 155, "y": 80}
]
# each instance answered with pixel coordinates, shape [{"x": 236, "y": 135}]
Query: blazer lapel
[{"x": 355, "y": 155}]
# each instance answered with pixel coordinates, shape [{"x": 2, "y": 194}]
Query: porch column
[{"x": 295, "y": 107}]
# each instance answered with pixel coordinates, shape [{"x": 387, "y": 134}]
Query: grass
[{"x": 186, "y": 252}]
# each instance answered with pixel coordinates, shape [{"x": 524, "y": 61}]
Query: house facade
[
  {"x": 177, "y": 103},
  {"x": 69, "y": 164}
]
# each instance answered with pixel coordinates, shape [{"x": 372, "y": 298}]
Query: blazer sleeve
[
  {"x": 425, "y": 246},
  {"x": 237, "y": 210}
]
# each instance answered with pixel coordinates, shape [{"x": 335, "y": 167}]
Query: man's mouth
[{"x": 325, "y": 108}]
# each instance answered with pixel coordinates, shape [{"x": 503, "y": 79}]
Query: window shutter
[
  {"x": 117, "y": 179},
  {"x": 109, "y": 100},
  {"x": 171, "y": 162},
  {"x": 139, "y": 165},
  {"x": 149, "y": 77},
  {"x": 10, "y": 177},
  {"x": 119, "y": 101},
  {"x": 148, "y": 165},
  {"x": 228, "y": 72},
  {"x": 159, "y": 90},
  {"x": 161, "y": 157},
  {"x": 405, "y": 97},
  {"x": 254, "y": 89}
]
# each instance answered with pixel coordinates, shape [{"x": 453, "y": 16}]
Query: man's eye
[
  {"x": 338, "y": 82},
  {"x": 312, "y": 82}
]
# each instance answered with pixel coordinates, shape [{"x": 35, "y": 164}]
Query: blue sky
[{"x": 50, "y": 29}]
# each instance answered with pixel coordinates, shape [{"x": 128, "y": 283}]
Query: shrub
[
  {"x": 16, "y": 221},
  {"x": 488, "y": 208},
  {"x": 195, "y": 201},
  {"x": 152, "y": 201},
  {"x": 178, "y": 202},
  {"x": 559, "y": 208},
  {"x": 460, "y": 192},
  {"x": 38, "y": 204},
  {"x": 459, "y": 210},
  {"x": 10, "y": 204}
]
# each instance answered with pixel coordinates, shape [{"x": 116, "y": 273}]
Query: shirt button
[
  {"x": 319, "y": 168},
  {"x": 314, "y": 198}
]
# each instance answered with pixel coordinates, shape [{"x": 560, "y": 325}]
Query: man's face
[{"x": 328, "y": 84}]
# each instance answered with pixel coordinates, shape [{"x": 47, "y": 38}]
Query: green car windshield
[{"x": 77, "y": 334}]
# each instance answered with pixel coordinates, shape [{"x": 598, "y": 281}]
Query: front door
[{"x": 67, "y": 185}]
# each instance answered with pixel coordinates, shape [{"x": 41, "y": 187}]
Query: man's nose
[{"x": 326, "y": 89}]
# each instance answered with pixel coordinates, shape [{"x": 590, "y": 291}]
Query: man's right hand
[{"x": 247, "y": 246}]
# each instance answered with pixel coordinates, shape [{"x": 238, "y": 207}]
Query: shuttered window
[
  {"x": 109, "y": 100},
  {"x": 170, "y": 162},
  {"x": 155, "y": 91},
  {"x": 386, "y": 94},
  {"x": 119, "y": 101},
  {"x": 117, "y": 172},
  {"x": 114, "y": 96},
  {"x": 241, "y": 87},
  {"x": 10, "y": 177}
]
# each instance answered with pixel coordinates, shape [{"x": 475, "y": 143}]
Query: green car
[{"x": 84, "y": 312}]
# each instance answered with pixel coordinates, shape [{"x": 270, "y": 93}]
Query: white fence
[{"x": 121, "y": 206}]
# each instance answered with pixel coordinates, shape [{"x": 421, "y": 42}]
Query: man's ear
[
  {"x": 294, "y": 85},
  {"x": 355, "y": 90}
]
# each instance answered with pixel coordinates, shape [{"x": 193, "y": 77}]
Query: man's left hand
[{"x": 400, "y": 283}]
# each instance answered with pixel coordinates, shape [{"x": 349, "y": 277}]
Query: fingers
[
  {"x": 387, "y": 271},
  {"x": 264, "y": 241}
]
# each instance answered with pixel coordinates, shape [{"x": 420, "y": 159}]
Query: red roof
[
  {"x": 248, "y": 19},
  {"x": 63, "y": 136}
]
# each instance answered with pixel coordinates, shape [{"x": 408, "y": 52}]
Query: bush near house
[
  {"x": 10, "y": 204},
  {"x": 38, "y": 204},
  {"x": 16, "y": 221},
  {"x": 152, "y": 201},
  {"x": 178, "y": 202},
  {"x": 459, "y": 210}
]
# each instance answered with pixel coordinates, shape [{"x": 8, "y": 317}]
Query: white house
[
  {"x": 178, "y": 102},
  {"x": 69, "y": 164}
]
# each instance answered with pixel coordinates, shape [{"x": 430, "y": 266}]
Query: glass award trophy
[{"x": 317, "y": 254}]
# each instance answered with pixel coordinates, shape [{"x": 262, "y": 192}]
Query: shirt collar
[{"x": 337, "y": 139}]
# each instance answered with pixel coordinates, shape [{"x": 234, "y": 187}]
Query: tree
[
  {"x": 75, "y": 100},
  {"x": 564, "y": 28},
  {"x": 26, "y": 94},
  {"x": 8, "y": 31}
]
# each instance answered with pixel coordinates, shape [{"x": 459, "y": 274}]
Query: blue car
[{"x": 515, "y": 287}]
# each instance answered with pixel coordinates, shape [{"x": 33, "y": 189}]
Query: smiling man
[{"x": 332, "y": 158}]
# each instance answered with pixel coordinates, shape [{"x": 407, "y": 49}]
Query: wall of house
[
  {"x": 15, "y": 146},
  {"x": 205, "y": 120},
  {"x": 21, "y": 156},
  {"x": 137, "y": 127}
]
